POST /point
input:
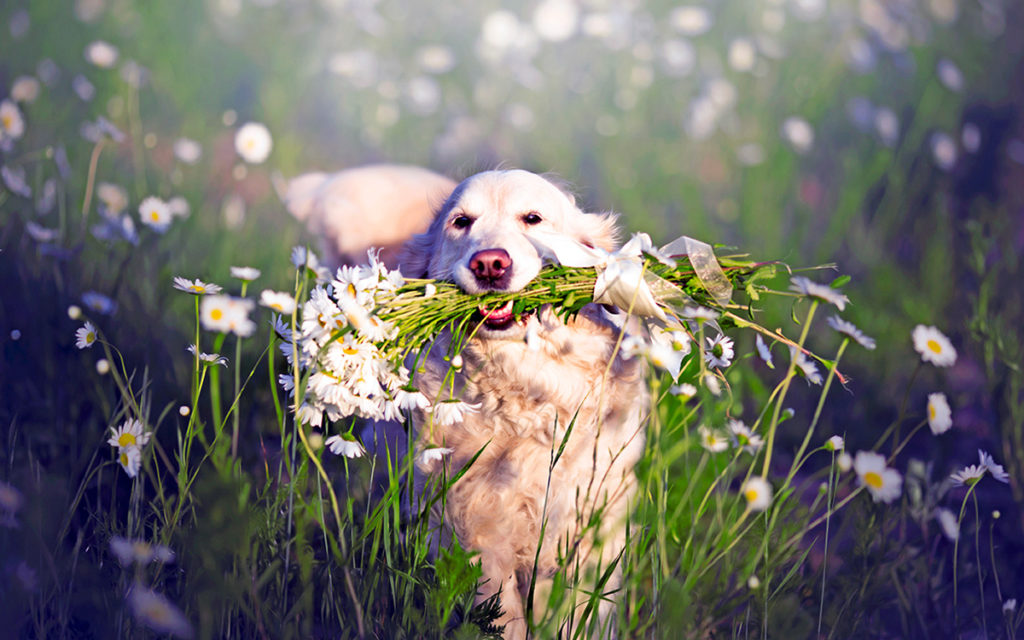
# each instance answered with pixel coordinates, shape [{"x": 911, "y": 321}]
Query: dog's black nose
[{"x": 490, "y": 265}]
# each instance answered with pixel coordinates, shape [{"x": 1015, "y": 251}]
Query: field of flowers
[{"x": 836, "y": 450}]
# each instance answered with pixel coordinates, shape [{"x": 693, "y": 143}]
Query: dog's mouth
[{"x": 501, "y": 316}]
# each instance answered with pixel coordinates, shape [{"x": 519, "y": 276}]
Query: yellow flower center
[
  {"x": 124, "y": 459},
  {"x": 154, "y": 215},
  {"x": 934, "y": 346},
  {"x": 931, "y": 412},
  {"x": 8, "y": 121},
  {"x": 750, "y": 495},
  {"x": 196, "y": 288},
  {"x": 351, "y": 289},
  {"x": 350, "y": 351},
  {"x": 217, "y": 314},
  {"x": 125, "y": 439},
  {"x": 873, "y": 480},
  {"x": 90, "y": 337}
]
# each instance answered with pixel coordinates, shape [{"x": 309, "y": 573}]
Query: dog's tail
[{"x": 375, "y": 206}]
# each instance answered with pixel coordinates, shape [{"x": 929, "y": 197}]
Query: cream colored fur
[{"x": 528, "y": 395}]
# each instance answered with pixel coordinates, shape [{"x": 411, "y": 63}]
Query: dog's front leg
[{"x": 500, "y": 577}]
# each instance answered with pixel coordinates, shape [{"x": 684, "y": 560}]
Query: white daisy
[
  {"x": 798, "y": 133},
  {"x": 12, "y": 125},
  {"x": 208, "y": 358},
  {"x": 195, "y": 287},
  {"x": 758, "y": 493},
  {"x": 139, "y": 552},
  {"x": 933, "y": 346},
  {"x": 996, "y": 470},
  {"x": 248, "y": 274},
  {"x": 431, "y": 454},
  {"x": 948, "y": 522},
  {"x": 99, "y": 303},
  {"x": 664, "y": 356},
  {"x": 685, "y": 390},
  {"x": 719, "y": 352},
  {"x": 156, "y": 612},
  {"x": 805, "y": 366},
  {"x": 226, "y": 314},
  {"x": 939, "y": 414},
  {"x": 743, "y": 437},
  {"x": 835, "y": 443},
  {"x": 968, "y": 475},
  {"x": 849, "y": 330},
  {"x": 113, "y": 198},
  {"x": 821, "y": 292},
  {"x": 698, "y": 313},
  {"x": 130, "y": 459},
  {"x": 1010, "y": 606},
  {"x": 950, "y": 75},
  {"x": 85, "y": 336},
  {"x": 712, "y": 440},
  {"x": 844, "y": 462},
  {"x": 187, "y": 150},
  {"x": 278, "y": 301},
  {"x": 448, "y": 412},
  {"x": 24, "y": 89},
  {"x": 179, "y": 207},
  {"x": 713, "y": 384},
  {"x": 154, "y": 212},
  {"x": 884, "y": 482},
  {"x": 944, "y": 150},
  {"x": 101, "y": 53},
  {"x": 345, "y": 445},
  {"x": 764, "y": 351},
  {"x": 253, "y": 142},
  {"x": 129, "y": 434}
]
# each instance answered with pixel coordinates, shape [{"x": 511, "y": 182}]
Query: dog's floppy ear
[
  {"x": 416, "y": 254},
  {"x": 598, "y": 230}
]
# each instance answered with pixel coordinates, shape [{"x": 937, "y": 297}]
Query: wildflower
[
  {"x": 409, "y": 399},
  {"x": 835, "y": 443},
  {"x": 14, "y": 180},
  {"x": 663, "y": 355},
  {"x": 101, "y": 53},
  {"x": 429, "y": 290},
  {"x": 713, "y": 384},
  {"x": 130, "y": 459},
  {"x": 85, "y": 336},
  {"x": 685, "y": 390},
  {"x": 196, "y": 287},
  {"x": 187, "y": 150},
  {"x": 431, "y": 454},
  {"x": 155, "y": 213},
  {"x": 278, "y": 301},
  {"x": 113, "y": 198},
  {"x": 184, "y": 410},
  {"x": 844, "y": 462},
  {"x": 950, "y": 75},
  {"x": 1009, "y": 606},
  {"x": 884, "y": 483},
  {"x": 947, "y": 520},
  {"x": 448, "y": 412},
  {"x": 712, "y": 440},
  {"x": 943, "y": 150},
  {"x": 307, "y": 414},
  {"x": 12, "y": 125},
  {"x": 179, "y": 208},
  {"x": 753, "y": 582},
  {"x": 129, "y": 434},
  {"x": 139, "y": 552},
  {"x": 74, "y": 312},
  {"x": 758, "y": 493},
  {"x": 805, "y": 366},
  {"x": 996, "y": 470},
  {"x": 820, "y": 292},
  {"x": 103, "y": 366},
  {"x": 248, "y": 274},
  {"x": 690, "y": 20},
  {"x": 743, "y": 437},
  {"x": 850, "y": 331},
  {"x": 457, "y": 361},
  {"x": 99, "y": 302},
  {"x": 304, "y": 258},
  {"x": 345, "y": 445},
  {"x": 226, "y": 314},
  {"x": 939, "y": 415},
  {"x": 86, "y": 91},
  {"x": 719, "y": 352},
  {"x": 968, "y": 475},
  {"x": 798, "y": 133},
  {"x": 24, "y": 89},
  {"x": 156, "y": 612},
  {"x": 207, "y": 358},
  {"x": 764, "y": 351},
  {"x": 253, "y": 142},
  {"x": 933, "y": 346}
]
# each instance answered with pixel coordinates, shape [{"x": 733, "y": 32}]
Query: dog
[{"x": 533, "y": 387}]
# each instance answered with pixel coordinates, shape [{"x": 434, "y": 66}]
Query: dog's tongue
[{"x": 497, "y": 315}]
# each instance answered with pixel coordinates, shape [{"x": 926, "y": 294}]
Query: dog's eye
[
  {"x": 462, "y": 222},
  {"x": 532, "y": 218}
]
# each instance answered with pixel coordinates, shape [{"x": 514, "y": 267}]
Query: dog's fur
[
  {"x": 528, "y": 396},
  {"x": 378, "y": 206}
]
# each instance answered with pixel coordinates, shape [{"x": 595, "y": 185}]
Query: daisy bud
[
  {"x": 844, "y": 461},
  {"x": 457, "y": 362},
  {"x": 184, "y": 410},
  {"x": 316, "y": 441},
  {"x": 74, "y": 312},
  {"x": 823, "y": 488},
  {"x": 753, "y": 582},
  {"x": 102, "y": 366},
  {"x": 996, "y": 515}
]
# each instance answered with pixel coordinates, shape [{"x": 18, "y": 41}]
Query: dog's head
[{"x": 480, "y": 238}]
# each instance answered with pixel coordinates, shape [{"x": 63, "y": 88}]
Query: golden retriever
[{"x": 526, "y": 380}]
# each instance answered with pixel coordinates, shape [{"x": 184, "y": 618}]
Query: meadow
[{"x": 834, "y": 451}]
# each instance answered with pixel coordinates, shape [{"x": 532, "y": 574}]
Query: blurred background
[{"x": 884, "y": 136}]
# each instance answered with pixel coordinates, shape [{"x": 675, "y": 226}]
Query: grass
[{"x": 274, "y": 536}]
